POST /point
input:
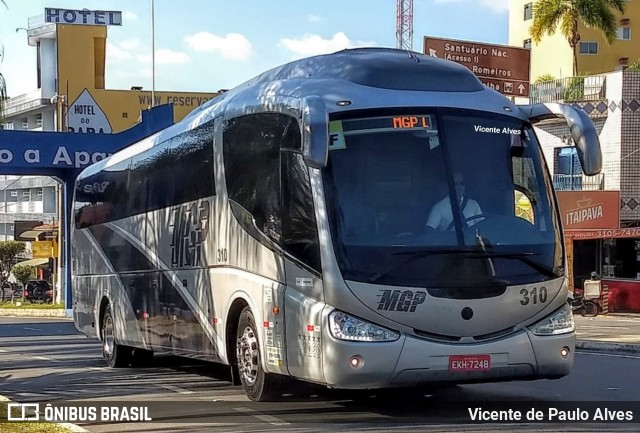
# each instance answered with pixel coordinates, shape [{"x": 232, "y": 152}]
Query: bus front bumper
[{"x": 412, "y": 361}]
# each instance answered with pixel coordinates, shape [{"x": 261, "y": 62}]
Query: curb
[
  {"x": 71, "y": 427},
  {"x": 59, "y": 313},
  {"x": 608, "y": 347}
]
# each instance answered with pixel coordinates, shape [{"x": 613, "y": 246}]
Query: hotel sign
[
  {"x": 84, "y": 17},
  {"x": 502, "y": 68}
]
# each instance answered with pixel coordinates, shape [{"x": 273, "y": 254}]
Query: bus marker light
[
  {"x": 215, "y": 320},
  {"x": 145, "y": 315},
  {"x": 276, "y": 310},
  {"x": 564, "y": 352},
  {"x": 356, "y": 361}
]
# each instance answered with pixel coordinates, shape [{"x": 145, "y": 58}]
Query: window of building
[
  {"x": 40, "y": 192},
  {"x": 528, "y": 11},
  {"x": 26, "y": 194},
  {"x": 527, "y": 43},
  {"x": 623, "y": 33},
  {"x": 588, "y": 48},
  {"x": 567, "y": 169},
  {"x": 14, "y": 193},
  {"x": 621, "y": 258}
]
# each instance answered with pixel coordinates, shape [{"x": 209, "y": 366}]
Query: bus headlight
[
  {"x": 346, "y": 327},
  {"x": 560, "y": 322}
]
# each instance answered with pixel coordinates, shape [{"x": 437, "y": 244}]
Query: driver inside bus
[{"x": 441, "y": 215}]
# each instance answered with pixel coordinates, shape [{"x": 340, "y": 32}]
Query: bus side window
[
  {"x": 251, "y": 154},
  {"x": 300, "y": 232}
]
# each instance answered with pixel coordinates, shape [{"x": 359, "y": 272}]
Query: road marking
[
  {"x": 266, "y": 418},
  {"x": 175, "y": 388},
  {"x": 33, "y": 329},
  {"x": 43, "y": 358},
  {"x": 612, "y": 355},
  {"x": 3, "y": 351}
]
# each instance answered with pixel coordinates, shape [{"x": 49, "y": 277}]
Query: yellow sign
[{"x": 44, "y": 249}]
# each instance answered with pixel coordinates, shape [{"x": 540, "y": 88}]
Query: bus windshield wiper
[
  {"x": 473, "y": 252},
  {"x": 413, "y": 256},
  {"x": 522, "y": 257}
]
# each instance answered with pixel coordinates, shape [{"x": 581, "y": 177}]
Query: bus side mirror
[
  {"x": 315, "y": 132},
  {"x": 581, "y": 127}
]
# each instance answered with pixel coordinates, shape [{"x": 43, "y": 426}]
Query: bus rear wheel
[
  {"x": 258, "y": 385},
  {"x": 115, "y": 354}
]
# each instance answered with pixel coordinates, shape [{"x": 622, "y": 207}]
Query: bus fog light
[
  {"x": 564, "y": 352},
  {"x": 356, "y": 361}
]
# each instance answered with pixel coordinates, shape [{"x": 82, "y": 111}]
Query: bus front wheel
[{"x": 258, "y": 385}]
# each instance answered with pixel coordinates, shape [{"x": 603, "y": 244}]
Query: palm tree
[{"x": 597, "y": 14}]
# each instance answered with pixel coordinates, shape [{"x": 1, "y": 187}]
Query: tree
[
  {"x": 8, "y": 252},
  {"x": 544, "y": 78},
  {"x": 23, "y": 273},
  {"x": 597, "y": 14},
  {"x": 635, "y": 66}
]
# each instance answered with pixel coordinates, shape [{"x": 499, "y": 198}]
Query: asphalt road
[{"x": 48, "y": 361}]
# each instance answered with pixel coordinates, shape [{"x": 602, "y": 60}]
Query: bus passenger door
[{"x": 304, "y": 289}]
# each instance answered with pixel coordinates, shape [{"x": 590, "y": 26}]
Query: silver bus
[{"x": 365, "y": 219}]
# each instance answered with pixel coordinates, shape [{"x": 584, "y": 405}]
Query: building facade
[
  {"x": 601, "y": 214},
  {"x": 553, "y": 55},
  {"x": 70, "y": 95}
]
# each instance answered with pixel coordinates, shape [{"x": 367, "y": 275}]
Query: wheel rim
[
  {"x": 248, "y": 356},
  {"x": 107, "y": 338}
]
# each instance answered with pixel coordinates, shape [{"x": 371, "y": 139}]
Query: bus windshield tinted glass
[{"x": 441, "y": 199}]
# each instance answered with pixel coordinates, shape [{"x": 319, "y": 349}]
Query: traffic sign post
[{"x": 502, "y": 68}]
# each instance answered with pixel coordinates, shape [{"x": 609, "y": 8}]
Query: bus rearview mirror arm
[
  {"x": 315, "y": 132},
  {"x": 582, "y": 130}
]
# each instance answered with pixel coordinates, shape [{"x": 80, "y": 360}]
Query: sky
[{"x": 207, "y": 45}]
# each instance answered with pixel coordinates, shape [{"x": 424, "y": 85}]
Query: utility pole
[
  {"x": 153, "y": 53},
  {"x": 404, "y": 25}
]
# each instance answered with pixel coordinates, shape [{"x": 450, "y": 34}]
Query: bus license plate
[{"x": 469, "y": 362}]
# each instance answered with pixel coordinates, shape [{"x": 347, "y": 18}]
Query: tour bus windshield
[{"x": 441, "y": 198}]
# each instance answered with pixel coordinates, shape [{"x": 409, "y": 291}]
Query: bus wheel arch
[
  {"x": 231, "y": 334},
  {"x": 104, "y": 303}
]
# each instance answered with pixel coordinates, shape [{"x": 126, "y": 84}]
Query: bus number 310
[{"x": 534, "y": 295}]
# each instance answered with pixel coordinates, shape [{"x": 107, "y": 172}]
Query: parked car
[
  {"x": 10, "y": 291},
  {"x": 38, "y": 291}
]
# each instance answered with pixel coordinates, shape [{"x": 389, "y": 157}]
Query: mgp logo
[{"x": 400, "y": 300}]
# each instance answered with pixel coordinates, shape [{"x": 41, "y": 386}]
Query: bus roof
[{"x": 366, "y": 77}]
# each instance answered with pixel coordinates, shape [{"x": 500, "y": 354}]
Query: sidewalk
[{"x": 610, "y": 332}]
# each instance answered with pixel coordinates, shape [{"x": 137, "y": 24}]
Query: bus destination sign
[{"x": 502, "y": 68}]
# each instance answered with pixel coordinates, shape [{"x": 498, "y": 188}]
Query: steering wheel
[{"x": 467, "y": 219}]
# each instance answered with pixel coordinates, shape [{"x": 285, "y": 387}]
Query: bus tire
[
  {"x": 116, "y": 355},
  {"x": 258, "y": 385}
]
